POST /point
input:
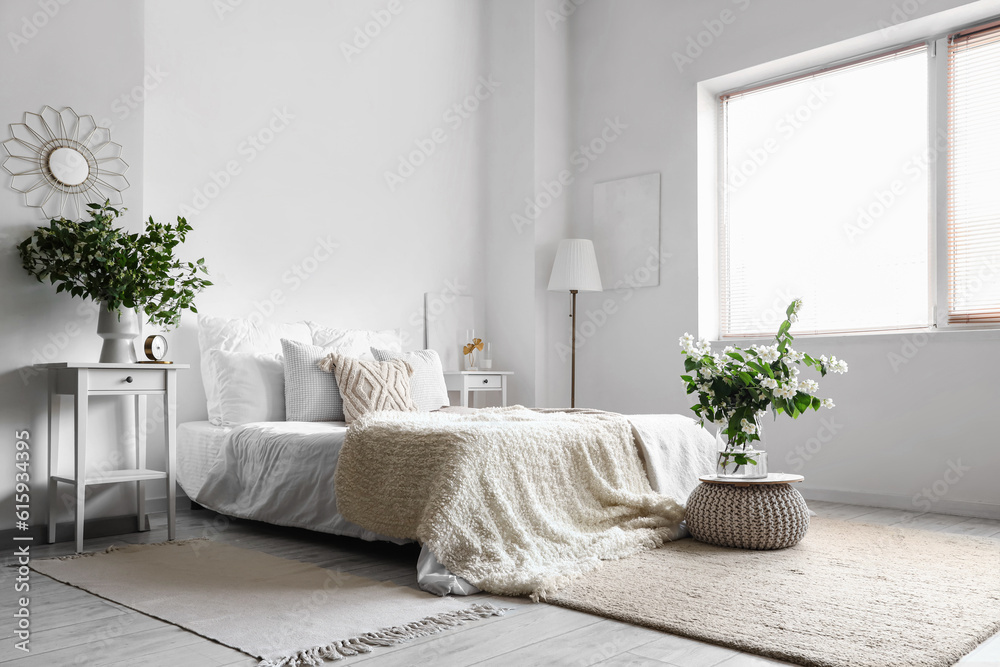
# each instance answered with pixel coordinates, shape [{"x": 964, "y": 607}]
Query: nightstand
[
  {"x": 470, "y": 382},
  {"x": 82, "y": 380}
]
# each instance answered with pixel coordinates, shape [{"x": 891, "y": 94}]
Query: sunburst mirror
[{"x": 61, "y": 162}]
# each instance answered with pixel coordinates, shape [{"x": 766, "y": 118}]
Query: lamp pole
[{"x": 572, "y": 335}]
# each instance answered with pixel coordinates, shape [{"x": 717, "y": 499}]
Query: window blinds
[{"x": 974, "y": 176}]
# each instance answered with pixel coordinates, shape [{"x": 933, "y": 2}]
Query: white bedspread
[{"x": 281, "y": 473}]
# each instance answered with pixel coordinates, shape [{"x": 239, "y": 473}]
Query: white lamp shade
[{"x": 575, "y": 267}]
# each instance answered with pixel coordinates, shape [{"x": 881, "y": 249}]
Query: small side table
[
  {"x": 82, "y": 380},
  {"x": 763, "y": 513},
  {"x": 470, "y": 382}
]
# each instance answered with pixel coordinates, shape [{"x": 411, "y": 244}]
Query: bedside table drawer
[
  {"x": 492, "y": 381},
  {"x": 118, "y": 380}
]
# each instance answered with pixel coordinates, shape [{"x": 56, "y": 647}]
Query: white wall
[
  {"x": 321, "y": 179},
  {"x": 88, "y": 56},
  {"x": 897, "y": 430}
]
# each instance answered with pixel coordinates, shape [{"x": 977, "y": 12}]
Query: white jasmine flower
[
  {"x": 794, "y": 371},
  {"x": 769, "y": 383},
  {"x": 793, "y": 318},
  {"x": 810, "y": 386},
  {"x": 748, "y": 427},
  {"x": 687, "y": 343},
  {"x": 827, "y": 402},
  {"x": 704, "y": 347},
  {"x": 728, "y": 349},
  {"x": 784, "y": 392},
  {"x": 838, "y": 366},
  {"x": 706, "y": 372},
  {"x": 794, "y": 355},
  {"x": 796, "y": 305},
  {"x": 769, "y": 354}
]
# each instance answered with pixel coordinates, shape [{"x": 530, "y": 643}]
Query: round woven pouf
[{"x": 759, "y": 516}]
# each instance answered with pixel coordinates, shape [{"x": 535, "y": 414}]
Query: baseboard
[
  {"x": 907, "y": 503},
  {"x": 107, "y": 526}
]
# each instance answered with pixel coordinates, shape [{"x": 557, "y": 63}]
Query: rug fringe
[
  {"x": 119, "y": 547},
  {"x": 345, "y": 648}
]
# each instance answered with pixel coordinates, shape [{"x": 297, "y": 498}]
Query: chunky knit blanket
[{"x": 515, "y": 501}]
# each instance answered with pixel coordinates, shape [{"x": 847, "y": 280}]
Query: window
[
  {"x": 974, "y": 176},
  {"x": 827, "y": 190}
]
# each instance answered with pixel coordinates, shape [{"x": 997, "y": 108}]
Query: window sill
[{"x": 982, "y": 332}]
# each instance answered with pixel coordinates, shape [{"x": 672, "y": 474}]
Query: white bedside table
[
  {"x": 81, "y": 380},
  {"x": 470, "y": 382}
]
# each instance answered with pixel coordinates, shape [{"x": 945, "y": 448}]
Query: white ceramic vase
[{"x": 118, "y": 329}]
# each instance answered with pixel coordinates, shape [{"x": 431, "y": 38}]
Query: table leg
[
  {"x": 465, "y": 392},
  {"x": 503, "y": 391},
  {"x": 140, "y": 459},
  {"x": 80, "y": 451},
  {"x": 54, "y": 412},
  {"x": 170, "y": 441}
]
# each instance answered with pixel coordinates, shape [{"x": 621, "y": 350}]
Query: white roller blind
[
  {"x": 825, "y": 197},
  {"x": 974, "y": 176}
]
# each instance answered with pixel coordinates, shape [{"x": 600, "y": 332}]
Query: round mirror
[{"x": 69, "y": 166}]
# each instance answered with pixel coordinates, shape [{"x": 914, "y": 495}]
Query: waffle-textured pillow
[
  {"x": 367, "y": 386},
  {"x": 310, "y": 394},
  {"x": 427, "y": 384}
]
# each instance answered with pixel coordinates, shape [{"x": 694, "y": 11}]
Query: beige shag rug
[
  {"x": 284, "y": 612},
  {"x": 848, "y": 595}
]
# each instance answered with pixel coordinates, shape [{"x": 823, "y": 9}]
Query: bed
[
  {"x": 283, "y": 473},
  {"x": 277, "y": 448}
]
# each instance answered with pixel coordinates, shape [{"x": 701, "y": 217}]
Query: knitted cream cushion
[
  {"x": 759, "y": 516},
  {"x": 367, "y": 386}
]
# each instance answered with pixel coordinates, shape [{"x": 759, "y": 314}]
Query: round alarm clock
[{"x": 156, "y": 349}]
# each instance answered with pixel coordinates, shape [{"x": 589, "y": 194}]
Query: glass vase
[{"x": 727, "y": 465}]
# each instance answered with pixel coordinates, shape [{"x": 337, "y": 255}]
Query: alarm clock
[{"x": 155, "y": 349}]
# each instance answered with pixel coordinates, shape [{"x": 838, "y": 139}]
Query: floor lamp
[{"x": 575, "y": 269}]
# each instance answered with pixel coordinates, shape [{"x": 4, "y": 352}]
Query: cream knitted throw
[{"x": 516, "y": 502}]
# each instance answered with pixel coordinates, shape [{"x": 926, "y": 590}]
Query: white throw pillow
[
  {"x": 240, "y": 335},
  {"x": 251, "y": 386},
  {"x": 356, "y": 342},
  {"x": 427, "y": 385}
]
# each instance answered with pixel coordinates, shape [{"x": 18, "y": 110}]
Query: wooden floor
[{"x": 71, "y": 627}]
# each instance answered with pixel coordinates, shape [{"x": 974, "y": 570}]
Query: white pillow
[
  {"x": 251, "y": 386},
  {"x": 427, "y": 386},
  {"x": 240, "y": 335},
  {"x": 356, "y": 342}
]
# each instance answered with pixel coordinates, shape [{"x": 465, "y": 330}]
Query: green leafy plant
[
  {"x": 736, "y": 388},
  {"x": 94, "y": 259}
]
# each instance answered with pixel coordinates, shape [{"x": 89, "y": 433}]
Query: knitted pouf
[{"x": 759, "y": 516}]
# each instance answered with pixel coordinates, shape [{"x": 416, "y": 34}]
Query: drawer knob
[
  {"x": 129, "y": 379},
  {"x": 486, "y": 381}
]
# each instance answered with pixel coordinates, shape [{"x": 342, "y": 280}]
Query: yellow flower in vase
[{"x": 470, "y": 352}]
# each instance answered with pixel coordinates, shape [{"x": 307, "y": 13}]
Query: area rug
[
  {"x": 284, "y": 612},
  {"x": 848, "y": 595}
]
